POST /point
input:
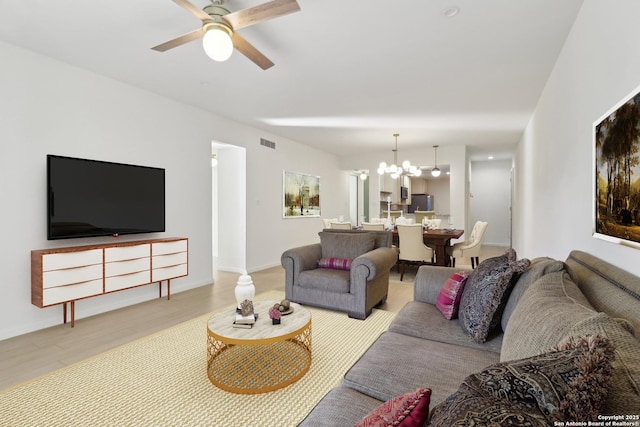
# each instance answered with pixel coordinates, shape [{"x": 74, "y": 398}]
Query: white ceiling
[{"x": 348, "y": 73}]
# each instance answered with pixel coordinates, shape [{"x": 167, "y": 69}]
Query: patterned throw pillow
[
  {"x": 567, "y": 383},
  {"x": 335, "y": 263},
  {"x": 449, "y": 299},
  {"x": 409, "y": 410},
  {"x": 485, "y": 294}
]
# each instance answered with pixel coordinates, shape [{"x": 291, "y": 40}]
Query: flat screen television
[{"x": 88, "y": 198}]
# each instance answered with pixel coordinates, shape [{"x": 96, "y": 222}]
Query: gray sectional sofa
[{"x": 550, "y": 302}]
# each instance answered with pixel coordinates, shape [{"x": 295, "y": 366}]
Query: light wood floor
[{"x": 30, "y": 355}]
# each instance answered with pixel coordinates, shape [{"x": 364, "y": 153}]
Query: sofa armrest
[
  {"x": 429, "y": 281},
  {"x": 373, "y": 263},
  {"x": 300, "y": 259}
]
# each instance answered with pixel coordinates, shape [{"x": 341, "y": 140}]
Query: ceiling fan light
[{"x": 217, "y": 42}]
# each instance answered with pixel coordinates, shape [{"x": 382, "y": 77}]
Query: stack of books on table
[{"x": 245, "y": 322}]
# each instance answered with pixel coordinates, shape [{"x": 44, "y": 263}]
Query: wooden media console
[{"x": 65, "y": 275}]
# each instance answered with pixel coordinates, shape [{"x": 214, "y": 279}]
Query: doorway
[
  {"x": 228, "y": 207},
  {"x": 490, "y": 198},
  {"x": 358, "y": 198}
]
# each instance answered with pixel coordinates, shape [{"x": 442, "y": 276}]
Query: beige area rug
[{"x": 161, "y": 380}]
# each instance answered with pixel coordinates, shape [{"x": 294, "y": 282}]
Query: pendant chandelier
[
  {"x": 436, "y": 170},
  {"x": 396, "y": 170}
]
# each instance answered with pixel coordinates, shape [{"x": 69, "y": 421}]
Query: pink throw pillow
[
  {"x": 335, "y": 263},
  {"x": 451, "y": 293},
  {"x": 409, "y": 410}
]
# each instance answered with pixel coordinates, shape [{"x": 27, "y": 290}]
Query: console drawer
[
  {"x": 64, "y": 260},
  {"x": 71, "y": 292},
  {"x": 158, "y": 274},
  {"x": 126, "y": 267},
  {"x": 71, "y": 276},
  {"x": 163, "y": 248},
  {"x": 126, "y": 281},
  {"x": 121, "y": 253}
]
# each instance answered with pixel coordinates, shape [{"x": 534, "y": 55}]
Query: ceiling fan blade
[
  {"x": 247, "y": 49},
  {"x": 198, "y": 13},
  {"x": 179, "y": 41},
  {"x": 263, "y": 12}
]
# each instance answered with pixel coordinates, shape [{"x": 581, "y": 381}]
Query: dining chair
[
  {"x": 420, "y": 215},
  {"x": 394, "y": 215},
  {"x": 327, "y": 221},
  {"x": 341, "y": 225},
  {"x": 470, "y": 247},
  {"x": 372, "y": 226},
  {"x": 412, "y": 247}
]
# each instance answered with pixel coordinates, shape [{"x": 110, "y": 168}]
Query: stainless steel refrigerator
[{"x": 421, "y": 202}]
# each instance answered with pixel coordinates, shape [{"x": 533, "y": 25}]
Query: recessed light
[
  {"x": 450, "y": 11},
  {"x": 490, "y": 157}
]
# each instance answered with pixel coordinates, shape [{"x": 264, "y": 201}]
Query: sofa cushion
[
  {"x": 553, "y": 304},
  {"x": 409, "y": 410},
  {"x": 625, "y": 382},
  {"x": 449, "y": 299},
  {"x": 424, "y": 320},
  {"x": 341, "y": 406},
  {"x": 335, "y": 263},
  {"x": 538, "y": 268},
  {"x": 395, "y": 363},
  {"x": 326, "y": 279},
  {"x": 346, "y": 245},
  {"x": 566, "y": 383},
  {"x": 486, "y": 292}
]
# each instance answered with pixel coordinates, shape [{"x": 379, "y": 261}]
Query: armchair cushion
[
  {"x": 326, "y": 280},
  {"x": 346, "y": 245},
  {"x": 335, "y": 263}
]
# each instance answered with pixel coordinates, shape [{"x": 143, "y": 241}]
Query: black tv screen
[{"x": 88, "y": 198}]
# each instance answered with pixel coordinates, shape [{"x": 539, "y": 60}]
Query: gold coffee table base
[{"x": 257, "y": 364}]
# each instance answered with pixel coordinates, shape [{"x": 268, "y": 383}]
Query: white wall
[
  {"x": 48, "y": 107},
  {"x": 490, "y": 199},
  {"x": 598, "y": 66}
]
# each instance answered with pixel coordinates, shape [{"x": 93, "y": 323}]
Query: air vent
[{"x": 267, "y": 143}]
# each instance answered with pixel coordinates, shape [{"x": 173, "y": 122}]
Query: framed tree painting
[
  {"x": 617, "y": 173},
  {"x": 300, "y": 195}
]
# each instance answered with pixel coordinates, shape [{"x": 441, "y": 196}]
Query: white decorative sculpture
[
  {"x": 245, "y": 290},
  {"x": 388, "y": 225}
]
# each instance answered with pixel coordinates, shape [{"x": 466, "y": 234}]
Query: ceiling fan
[{"x": 219, "y": 28}]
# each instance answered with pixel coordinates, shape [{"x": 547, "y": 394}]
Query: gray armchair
[{"x": 355, "y": 290}]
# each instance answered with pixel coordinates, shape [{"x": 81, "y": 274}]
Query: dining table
[{"x": 437, "y": 239}]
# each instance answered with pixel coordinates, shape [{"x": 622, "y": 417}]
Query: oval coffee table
[{"x": 261, "y": 359}]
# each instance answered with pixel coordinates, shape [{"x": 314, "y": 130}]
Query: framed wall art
[
  {"x": 300, "y": 195},
  {"x": 617, "y": 173}
]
